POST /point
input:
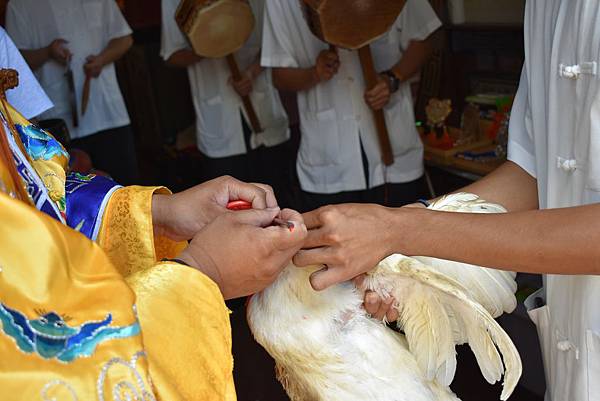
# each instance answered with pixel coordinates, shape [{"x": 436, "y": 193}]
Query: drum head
[
  {"x": 220, "y": 28},
  {"x": 351, "y": 24}
]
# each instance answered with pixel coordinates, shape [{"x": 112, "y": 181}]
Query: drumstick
[
  {"x": 236, "y": 74},
  {"x": 366, "y": 61},
  {"x": 86, "y": 94}
]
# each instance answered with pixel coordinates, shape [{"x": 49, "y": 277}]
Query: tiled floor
[{"x": 255, "y": 379}]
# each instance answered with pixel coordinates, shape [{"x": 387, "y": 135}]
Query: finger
[
  {"x": 359, "y": 281},
  {"x": 291, "y": 215},
  {"x": 379, "y": 103},
  {"x": 255, "y": 217},
  {"x": 238, "y": 190},
  {"x": 393, "y": 314},
  {"x": 316, "y": 238},
  {"x": 286, "y": 240},
  {"x": 312, "y": 219},
  {"x": 270, "y": 197},
  {"x": 316, "y": 256},
  {"x": 384, "y": 308},
  {"x": 332, "y": 275},
  {"x": 372, "y": 303}
]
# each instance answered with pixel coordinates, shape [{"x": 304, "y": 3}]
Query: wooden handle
[
  {"x": 237, "y": 75},
  {"x": 366, "y": 60},
  {"x": 85, "y": 97}
]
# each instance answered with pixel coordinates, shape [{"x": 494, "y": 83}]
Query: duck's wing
[
  {"x": 444, "y": 303},
  {"x": 436, "y": 314}
]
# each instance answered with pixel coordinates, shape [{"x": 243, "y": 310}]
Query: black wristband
[
  {"x": 181, "y": 262},
  {"x": 424, "y": 202},
  {"x": 393, "y": 80}
]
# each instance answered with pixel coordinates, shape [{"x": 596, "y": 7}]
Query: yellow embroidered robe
[{"x": 71, "y": 309}]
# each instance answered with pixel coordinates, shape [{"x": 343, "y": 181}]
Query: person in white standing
[
  {"x": 88, "y": 36},
  {"x": 339, "y": 159},
  {"x": 223, "y": 132},
  {"x": 550, "y": 185}
]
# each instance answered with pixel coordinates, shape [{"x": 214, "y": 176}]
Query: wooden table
[{"x": 469, "y": 169}]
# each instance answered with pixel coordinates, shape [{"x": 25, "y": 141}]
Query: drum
[
  {"x": 219, "y": 28},
  {"x": 354, "y": 24}
]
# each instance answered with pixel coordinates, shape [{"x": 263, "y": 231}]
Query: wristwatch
[{"x": 393, "y": 80}]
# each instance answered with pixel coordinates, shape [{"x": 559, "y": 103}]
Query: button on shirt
[
  {"x": 334, "y": 117},
  {"x": 555, "y": 136},
  {"x": 88, "y": 26},
  {"x": 218, "y": 120}
]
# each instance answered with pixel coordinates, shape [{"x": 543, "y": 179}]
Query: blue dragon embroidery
[
  {"x": 39, "y": 144},
  {"x": 50, "y": 337}
]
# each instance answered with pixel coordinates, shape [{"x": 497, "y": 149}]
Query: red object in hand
[
  {"x": 239, "y": 205},
  {"x": 243, "y": 205}
]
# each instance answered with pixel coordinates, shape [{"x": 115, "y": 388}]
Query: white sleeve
[
  {"x": 18, "y": 27},
  {"x": 28, "y": 98},
  {"x": 416, "y": 22},
  {"x": 277, "y": 46},
  {"x": 172, "y": 39},
  {"x": 521, "y": 146},
  {"x": 116, "y": 25}
]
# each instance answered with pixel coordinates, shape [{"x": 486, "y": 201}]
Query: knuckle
[{"x": 332, "y": 238}]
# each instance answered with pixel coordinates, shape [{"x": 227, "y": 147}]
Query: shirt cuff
[
  {"x": 517, "y": 154},
  {"x": 427, "y": 30},
  {"x": 278, "y": 61}
]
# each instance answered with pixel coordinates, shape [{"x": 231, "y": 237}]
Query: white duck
[{"x": 327, "y": 348}]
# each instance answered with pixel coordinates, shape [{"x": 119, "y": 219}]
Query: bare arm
[
  {"x": 509, "y": 186},
  {"x": 36, "y": 58},
  {"x": 352, "y": 239},
  {"x": 411, "y": 62},
  {"x": 55, "y": 51},
  {"x": 295, "y": 79},
  {"x": 114, "y": 50},
  {"x": 556, "y": 241},
  {"x": 417, "y": 53},
  {"x": 184, "y": 58}
]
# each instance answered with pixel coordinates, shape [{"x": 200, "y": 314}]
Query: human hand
[
  {"x": 379, "y": 96},
  {"x": 59, "y": 52},
  {"x": 242, "y": 253},
  {"x": 244, "y": 85},
  {"x": 349, "y": 239},
  {"x": 376, "y": 306},
  {"x": 93, "y": 66},
  {"x": 327, "y": 65},
  {"x": 180, "y": 216}
]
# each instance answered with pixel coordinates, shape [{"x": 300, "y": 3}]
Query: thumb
[
  {"x": 326, "y": 277},
  {"x": 256, "y": 217}
]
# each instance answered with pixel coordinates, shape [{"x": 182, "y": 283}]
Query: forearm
[
  {"x": 36, "y": 58},
  {"x": 557, "y": 241},
  {"x": 255, "y": 69},
  {"x": 184, "y": 58},
  {"x": 295, "y": 79},
  {"x": 115, "y": 49},
  {"x": 509, "y": 186},
  {"x": 417, "y": 53}
]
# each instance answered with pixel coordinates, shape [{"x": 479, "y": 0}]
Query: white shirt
[
  {"x": 88, "y": 26},
  {"x": 28, "y": 98},
  {"x": 218, "y": 121},
  {"x": 334, "y": 117},
  {"x": 555, "y": 136}
]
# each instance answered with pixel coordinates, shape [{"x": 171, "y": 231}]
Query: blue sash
[{"x": 87, "y": 197}]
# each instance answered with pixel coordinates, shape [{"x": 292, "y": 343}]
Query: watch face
[{"x": 393, "y": 81}]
